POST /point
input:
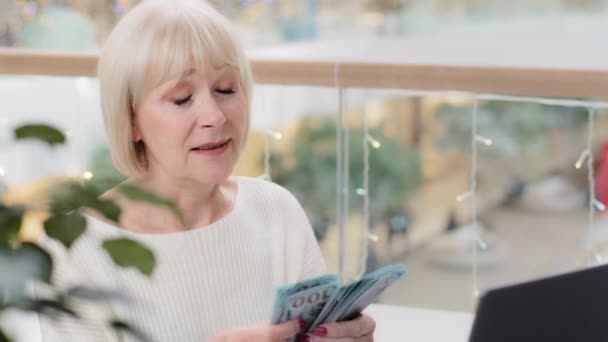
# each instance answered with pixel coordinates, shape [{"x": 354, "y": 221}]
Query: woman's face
[{"x": 194, "y": 128}]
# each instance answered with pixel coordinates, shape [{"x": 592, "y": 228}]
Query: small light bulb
[
  {"x": 276, "y": 135},
  {"x": 87, "y": 175},
  {"x": 1, "y": 172},
  {"x": 375, "y": 143},
  {"x": 485, "y": 141},
  {"x": 482, "y": 244},
  {"x": 374, "y": 237},
  {"x": 361, "y": 192},
  {"x": 464, "y": 196},
  {"x": 599, "y": 205},
  {"x": 598, "y": 257},
  {"x": 476, "y": 292},
  {"x": 581, "y": 159}
]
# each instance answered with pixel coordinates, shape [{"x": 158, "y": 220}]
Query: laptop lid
[{"x": 563, "y": 308}]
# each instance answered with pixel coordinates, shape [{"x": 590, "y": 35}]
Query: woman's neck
[{"x": 200, "y": 205}]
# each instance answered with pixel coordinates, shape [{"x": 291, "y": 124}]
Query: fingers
[
  {"x": 286, "y": 330},
  {"x": 363, "y": 325}
]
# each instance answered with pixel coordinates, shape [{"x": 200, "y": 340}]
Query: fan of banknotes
[{"x": 324, "y": 299}]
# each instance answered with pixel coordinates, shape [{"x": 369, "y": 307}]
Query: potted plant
[
  {"x": 308, "y": 169},
  {"x": 24, "y": 261}
]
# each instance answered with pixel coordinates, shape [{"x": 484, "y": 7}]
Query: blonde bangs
[{"x": 184, "y": 41}]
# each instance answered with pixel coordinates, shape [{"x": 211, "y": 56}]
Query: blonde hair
[{"x": 157, "y": 41}]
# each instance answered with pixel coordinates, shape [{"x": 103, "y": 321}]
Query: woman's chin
[{"x": 214, "y": 176}]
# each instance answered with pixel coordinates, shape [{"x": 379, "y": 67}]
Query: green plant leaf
[
  {"x": 108, "y": 208},
  {"x": 97, "y": 294},
  {"x": 90, "y": 193},
  {"x": 28, "y": 262},
  {"x": 135, "y": 193},
  {"x": 47, "y": 306},
  {"x": 45, "y": 133},
  {"x": 3, "y": 337},
  {"x": 126, "y": 327},
  {"x": 101, "y": 184},
  {"x": 130, "y": 253},
  {"x": 10, "y": 223},
  {"x": 73, "y": 195},
  {"x": 67, "y": 197},
  {"x": 66, "y": 228}
]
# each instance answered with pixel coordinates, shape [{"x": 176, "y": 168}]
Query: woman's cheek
[{"x": 239, "y": 106}]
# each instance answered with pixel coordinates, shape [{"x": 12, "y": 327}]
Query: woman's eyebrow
[
  {"x": 176, "y": 81},
  {"x": 180, "y": 77},
  {"x": 227, "y": 71}
]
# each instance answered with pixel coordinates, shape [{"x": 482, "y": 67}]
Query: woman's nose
[{"x": 209, "y": 113}]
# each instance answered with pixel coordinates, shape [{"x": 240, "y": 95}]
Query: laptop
[{"x": 570, "y": 307}]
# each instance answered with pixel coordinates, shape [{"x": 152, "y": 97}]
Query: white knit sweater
[{"x": 206, "y": 280}]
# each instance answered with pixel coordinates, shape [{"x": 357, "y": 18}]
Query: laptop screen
[{"x": 567, "y": 307}]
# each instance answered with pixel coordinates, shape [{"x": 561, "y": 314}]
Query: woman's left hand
[{"x": 360, "y": 329}]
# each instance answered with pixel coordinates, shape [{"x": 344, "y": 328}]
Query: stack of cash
[{"x": 324, "y": 299}]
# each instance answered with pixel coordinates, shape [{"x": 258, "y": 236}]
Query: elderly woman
[{"x": 176, "y": 94}]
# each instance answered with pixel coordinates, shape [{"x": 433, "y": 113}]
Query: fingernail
[
  {"x": 301, "y": 323},
  {"x": 320, "y": 331}
]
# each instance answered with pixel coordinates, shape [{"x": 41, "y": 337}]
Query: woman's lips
[{"x": 213, "y": 149}]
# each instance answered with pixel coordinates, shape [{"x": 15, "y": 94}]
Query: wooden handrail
[
  {"x": 513, "y": 80},
  {"x": 47, "y": 62}
]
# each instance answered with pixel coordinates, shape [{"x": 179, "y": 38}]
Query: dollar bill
[
  {"x": 337, "y": 309},
  {"x": 307, "y": 304},
  {"x": 284, "y": 292},
  {"x": 338, "y": 299},
  {"x": 382, "y": 282},
  {"x": 323, "y": 299}
]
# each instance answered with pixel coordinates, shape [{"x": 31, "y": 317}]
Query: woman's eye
[
  {"x": 226, "y": 91},
  {"x": 185, "y": 100}
]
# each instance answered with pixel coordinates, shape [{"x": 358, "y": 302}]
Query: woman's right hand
[{"x": 263, "y": 332}]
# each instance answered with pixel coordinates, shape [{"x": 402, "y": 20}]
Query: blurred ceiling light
[{"x": 87, "y": 175}]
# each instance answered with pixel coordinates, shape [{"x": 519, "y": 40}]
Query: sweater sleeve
[
  {"x": 92, "y": 324},
  {"x": 303, "y": 255}
]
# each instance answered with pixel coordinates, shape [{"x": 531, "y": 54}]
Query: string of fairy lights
[
  {"x": 594, "y": 203},
  {"x": 478, "y": 243},
  {"x": 586, "y": 159}
]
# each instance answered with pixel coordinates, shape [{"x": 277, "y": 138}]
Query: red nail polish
[
  {"x": 320, "y": 331},
  {"x": 301, "y": 323},
  {"x": 303, "y": 338}
]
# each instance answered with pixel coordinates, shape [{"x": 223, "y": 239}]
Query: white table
[
  {"x": 393, "y": 324},
  {"x": 403, "y": 324}
]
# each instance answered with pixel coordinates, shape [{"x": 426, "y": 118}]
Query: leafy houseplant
[
  {"x": 22, "y": 261},
  {"x": 308, "y": 170}
]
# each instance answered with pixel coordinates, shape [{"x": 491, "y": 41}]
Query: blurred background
[{"x": 532, "y": 201}]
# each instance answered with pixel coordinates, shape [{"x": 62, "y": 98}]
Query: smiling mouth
[{"x": 211, "y": 147}]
